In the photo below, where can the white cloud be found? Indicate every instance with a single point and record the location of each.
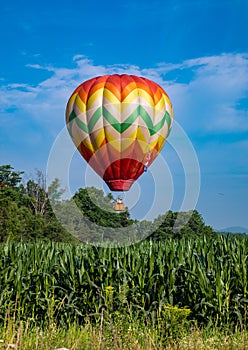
(207, 101)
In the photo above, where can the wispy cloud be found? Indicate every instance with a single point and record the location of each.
(207, 101)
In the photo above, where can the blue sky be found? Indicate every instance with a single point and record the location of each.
(197, 50)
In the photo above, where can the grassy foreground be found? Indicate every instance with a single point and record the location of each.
(112, 337)
(178, 294)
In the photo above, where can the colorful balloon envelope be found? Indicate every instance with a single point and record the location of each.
(119, 124)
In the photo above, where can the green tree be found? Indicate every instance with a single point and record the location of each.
(8, 177)
(99, 208)
(166, 223)
(25, 211)
(55, 192)
(177, 224)
(36, 191)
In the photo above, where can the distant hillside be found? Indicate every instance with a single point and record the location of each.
(234, 229)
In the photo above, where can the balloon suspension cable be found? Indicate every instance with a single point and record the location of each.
(147, 160)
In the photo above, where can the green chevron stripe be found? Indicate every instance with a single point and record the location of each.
(72, 116)
(112, 120)
(94, 119)
(139, 111)
(81, 124)
(121, 127)
(168, 119)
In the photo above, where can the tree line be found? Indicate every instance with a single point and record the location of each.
(27, 212)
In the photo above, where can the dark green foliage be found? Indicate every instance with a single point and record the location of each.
(178, 224)
(99, 208)
(28, 212)
(25, 211)
(9, 177)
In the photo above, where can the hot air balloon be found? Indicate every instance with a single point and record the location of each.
(119, 124)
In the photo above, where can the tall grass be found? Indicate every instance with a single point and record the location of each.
(119, 337)
(58, 283)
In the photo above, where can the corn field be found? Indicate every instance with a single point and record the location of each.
(75, 282)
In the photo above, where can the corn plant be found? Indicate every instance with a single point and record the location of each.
(60, 282)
